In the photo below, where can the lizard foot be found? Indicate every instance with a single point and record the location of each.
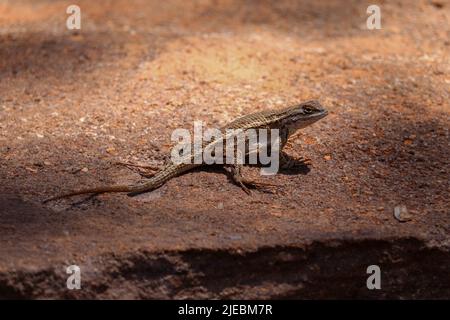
(293, 163)
(247, 184)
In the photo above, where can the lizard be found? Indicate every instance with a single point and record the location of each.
(287, 120)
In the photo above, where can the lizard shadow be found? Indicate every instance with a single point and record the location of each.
(89, 198)
(297, 166)
(84, 199)
(300, 168)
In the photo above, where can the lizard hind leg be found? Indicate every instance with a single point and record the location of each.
(146, 171)
(246, 184)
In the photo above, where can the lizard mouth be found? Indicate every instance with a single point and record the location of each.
(318, 115)
(323, 114)
(306, 121)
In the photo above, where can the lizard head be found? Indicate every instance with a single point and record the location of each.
(302, 115)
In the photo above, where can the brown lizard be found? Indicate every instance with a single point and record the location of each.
(287, 121)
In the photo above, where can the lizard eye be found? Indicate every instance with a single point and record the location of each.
(308, 109)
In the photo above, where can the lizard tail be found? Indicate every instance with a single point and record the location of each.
(117, 188)
(151, 184)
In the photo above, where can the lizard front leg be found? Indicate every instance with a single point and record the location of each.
(235, 172)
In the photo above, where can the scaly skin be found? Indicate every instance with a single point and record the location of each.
(287, 120)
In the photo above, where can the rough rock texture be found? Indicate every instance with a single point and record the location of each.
(73, 103)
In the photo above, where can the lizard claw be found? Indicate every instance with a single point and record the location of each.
(293, 163)
(245, 188)
(304, 161)
(257, 185)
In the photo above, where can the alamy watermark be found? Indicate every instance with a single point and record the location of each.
(74, 280)
(233, 146)
(73, 21)
(374, 280)
(374, 20)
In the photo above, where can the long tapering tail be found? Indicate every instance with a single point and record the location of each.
(117, 188)
(148, 185)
